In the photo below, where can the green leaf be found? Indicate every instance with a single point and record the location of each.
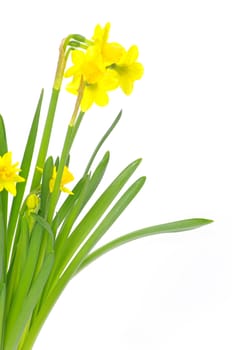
(54, 292)
(97, 176)
(45, 225)
(103, 139)
(3, 267)
(2, 312)
(27, 276)
(89, 186)
(66, 226)
(103, 227)
(72, 215)
(3, 138)
(69, 203)
(66, 251)
(18, 261)
(25, 166)
(45, 191)
(3, 150)
(15, 331)
(176, 226)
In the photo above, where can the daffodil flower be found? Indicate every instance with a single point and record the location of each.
(98, 93)
(67, 177)
(97, 79)
(88, 64)
(128, 69)
(111, 52)
(8, 174)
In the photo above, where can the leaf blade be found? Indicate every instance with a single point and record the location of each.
(25, 165)
(176, 226)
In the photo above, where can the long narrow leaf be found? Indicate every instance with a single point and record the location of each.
(18, 261)
(3, 150)
(25, 166)
(114, 213)
(66, 251)
(2, 241)
(79, 190)
(97, 176)
(67, 204)
(3, 269)
(72, 215)
(45, 191)
(3, 138)
(176, 226)
(27, 277)
(29, 303)
(86, 193)
(103, 139)
(104, 226)
(2, 312)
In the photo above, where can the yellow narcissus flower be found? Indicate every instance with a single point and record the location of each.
(8, 174)
(97, 79)
(88, 64)
(67, 177)
(97, 93)
(111, 52)
(129, 69)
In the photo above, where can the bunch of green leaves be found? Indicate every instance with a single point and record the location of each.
(41, 252)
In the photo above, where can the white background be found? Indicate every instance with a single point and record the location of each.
(165, 292)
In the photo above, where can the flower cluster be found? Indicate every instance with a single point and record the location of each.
(103, 66)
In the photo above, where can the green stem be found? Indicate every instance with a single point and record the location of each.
(45, 138)
(51, 113)
(70, 135)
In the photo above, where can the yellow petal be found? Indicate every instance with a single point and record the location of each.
(66, 190)
(18, 178)
(136, 71)
(7, 158)
(73, 86)
(101, 34)
(87, 99)
(126, 85)
(112, 53)
(77, 57)
(130, 56)
(101, 98)
(11, 187)
(110, 80)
